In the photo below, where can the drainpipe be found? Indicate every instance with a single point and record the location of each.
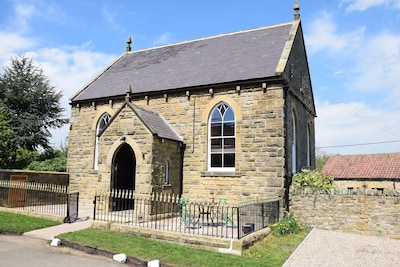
(183, 147)
(288, 174)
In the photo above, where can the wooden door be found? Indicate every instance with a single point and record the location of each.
(16, 195)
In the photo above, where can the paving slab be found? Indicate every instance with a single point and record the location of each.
(50, 232)
(84, 221)
(333, 248)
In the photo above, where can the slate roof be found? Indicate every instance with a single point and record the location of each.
(238, 56)
(156, 124)
(372, 166)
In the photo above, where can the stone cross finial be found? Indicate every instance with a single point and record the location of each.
(128, 44)
(296, 9)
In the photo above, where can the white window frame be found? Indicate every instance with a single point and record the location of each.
(101, 123)
(209, 152)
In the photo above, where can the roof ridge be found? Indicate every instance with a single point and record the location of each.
(209, 37)
(365, 155)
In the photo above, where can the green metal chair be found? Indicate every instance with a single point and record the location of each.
(227, 213)
(187, 217)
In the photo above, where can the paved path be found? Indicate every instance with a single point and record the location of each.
(51, 232)
(17, 251)
(330, 248)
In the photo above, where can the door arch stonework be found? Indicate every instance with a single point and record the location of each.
(123, 172)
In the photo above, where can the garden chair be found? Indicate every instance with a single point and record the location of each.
(187, 217)
(227, 213)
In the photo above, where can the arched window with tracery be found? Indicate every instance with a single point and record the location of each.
(222, 138)
(101, 124)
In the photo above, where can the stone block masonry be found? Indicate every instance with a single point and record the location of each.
(367, 212)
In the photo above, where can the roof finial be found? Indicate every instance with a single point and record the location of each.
(128, 44)
(128, 93)
(296, 9)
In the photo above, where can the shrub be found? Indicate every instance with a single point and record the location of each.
(287, 225)
(313, 179)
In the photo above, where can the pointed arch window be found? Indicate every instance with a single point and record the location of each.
(101, 124)
(222, 139)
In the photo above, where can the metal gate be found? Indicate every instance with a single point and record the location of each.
(72, 207)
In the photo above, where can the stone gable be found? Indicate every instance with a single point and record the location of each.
(264, 111)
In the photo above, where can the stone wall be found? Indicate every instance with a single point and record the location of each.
(223, 245)
(367, 184)
(368, 212)
(260, 138)
(59, 178)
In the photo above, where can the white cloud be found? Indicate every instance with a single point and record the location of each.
(165, 38)
(23, 13)
(324, 36)
(356, 123)
(11, 45)
(109, 15)
(378, 64)
(362, 5)
(359, 63)
(69, 69)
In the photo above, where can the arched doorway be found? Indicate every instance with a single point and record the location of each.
(123, 176)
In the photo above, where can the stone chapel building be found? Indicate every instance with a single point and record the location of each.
(225, 116)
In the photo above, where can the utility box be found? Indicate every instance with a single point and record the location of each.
(248, 228)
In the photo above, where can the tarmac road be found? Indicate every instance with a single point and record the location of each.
(23, 251)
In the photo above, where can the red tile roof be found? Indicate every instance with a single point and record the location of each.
(373, 166)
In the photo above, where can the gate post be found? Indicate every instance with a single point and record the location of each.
(72, 207)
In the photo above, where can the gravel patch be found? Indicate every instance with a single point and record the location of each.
(330, 248)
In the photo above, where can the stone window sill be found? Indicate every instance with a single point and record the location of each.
(219, 174)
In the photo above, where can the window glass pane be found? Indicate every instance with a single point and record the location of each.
(216, 116)
(216, 129)
(104, 121)
(229, 145)
(229, 129)
(229, 160)
(216, 145)
(229, 116)
(216, 160)
(222, 137)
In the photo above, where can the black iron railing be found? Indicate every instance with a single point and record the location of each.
(172, 213)
(39, 197)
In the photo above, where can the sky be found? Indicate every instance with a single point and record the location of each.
(353, 49)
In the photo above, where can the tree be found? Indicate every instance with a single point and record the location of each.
(50, 160)
(32, 103)
(321, 158)
(6, 135)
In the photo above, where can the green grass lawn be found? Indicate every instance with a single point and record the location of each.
(272, 251)
(21, 223)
